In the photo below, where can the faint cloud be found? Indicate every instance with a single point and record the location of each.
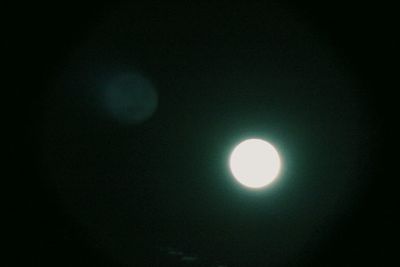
(175, 253)
(189, 258)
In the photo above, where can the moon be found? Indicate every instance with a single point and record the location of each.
(255, 163)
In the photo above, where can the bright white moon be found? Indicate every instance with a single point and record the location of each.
(255, 163)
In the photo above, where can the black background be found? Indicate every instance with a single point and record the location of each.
(42, 37)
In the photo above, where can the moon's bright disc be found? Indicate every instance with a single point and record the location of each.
(255, 163)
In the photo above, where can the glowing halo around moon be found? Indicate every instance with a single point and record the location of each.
(255, 163)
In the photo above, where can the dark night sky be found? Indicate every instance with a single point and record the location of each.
(105, 191)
